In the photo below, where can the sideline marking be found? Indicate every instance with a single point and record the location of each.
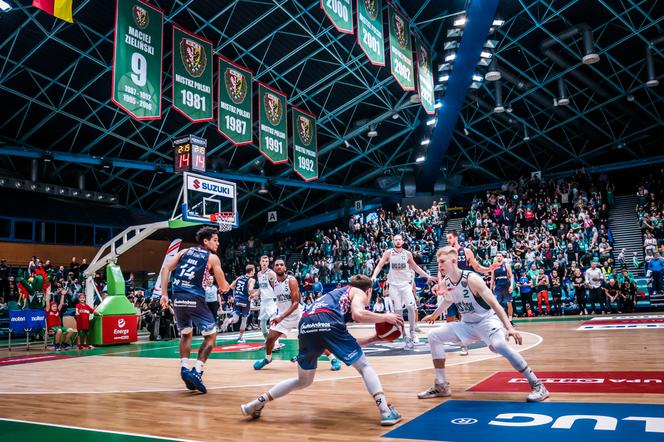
(97, 430)
(270, 384)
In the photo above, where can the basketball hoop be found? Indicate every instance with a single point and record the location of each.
(224, 220)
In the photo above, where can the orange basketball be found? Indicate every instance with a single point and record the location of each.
(387, 332)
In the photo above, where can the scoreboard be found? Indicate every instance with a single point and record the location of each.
(189, 154)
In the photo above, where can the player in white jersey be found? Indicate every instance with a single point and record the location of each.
(482, 318)
(401, 280)
(287, 294)
(266, 279)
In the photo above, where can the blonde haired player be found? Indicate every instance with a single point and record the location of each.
(400, 279)
(482, 318)
(266, 279)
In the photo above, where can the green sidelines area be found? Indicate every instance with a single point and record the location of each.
(24, 431)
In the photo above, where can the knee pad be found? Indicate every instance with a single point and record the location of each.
(305, 377)
(361, 364)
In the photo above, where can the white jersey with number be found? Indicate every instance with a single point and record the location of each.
(267, 291)
(283, 294)
(473, 308)
(399, 273)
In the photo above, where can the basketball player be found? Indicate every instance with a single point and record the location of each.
(482, 318)
(466, 260)
(322, 326)
(400, 279)
(287, 294)
(502, 284)
(192, 268)
(243, 289)
(266, 279)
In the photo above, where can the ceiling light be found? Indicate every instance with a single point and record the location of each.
(444, 67)
(493, 74)
(33, 186)
(563, 97)
(484, 62)
(475, 85)
(454, 32)
(485, 54)
(395, 116)
(18, 184)
(630, 97)
(112, 198)
(526, 137)
(88, 195)
(100, 197)
(74, 192)
(431, 122)
(414, 98)
(372, 133)
(450, 45)
(450, 57)
(263, 190)
(61, 191)
(498, 22)
(347, 144)
(491, 44)
(460, 22)
(443, 78)
(5, 6)
(438, 105)
(477, 77)
(421, 158)
(2, 181)
(465, 131)
(424, 142)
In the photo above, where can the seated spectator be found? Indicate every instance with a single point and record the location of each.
(613, 293)
(62, 335)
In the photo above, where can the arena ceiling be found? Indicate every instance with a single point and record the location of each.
(55, 83)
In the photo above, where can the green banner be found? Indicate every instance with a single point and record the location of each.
(235, 113)
(340, 13)
(137, 50)
(305, 145)
(425, 77)
(370, 30)
(273, 124)
(192, 75)
(401, 52)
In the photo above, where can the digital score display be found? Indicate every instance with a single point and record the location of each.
(189, 154)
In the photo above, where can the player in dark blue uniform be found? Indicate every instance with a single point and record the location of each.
(243, 290)
(322, 327)
(502, 284)
(191, 269)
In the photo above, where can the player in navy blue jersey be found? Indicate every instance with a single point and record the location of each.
(322, 327)
(243, 290)
(191, 270)
(502, 284)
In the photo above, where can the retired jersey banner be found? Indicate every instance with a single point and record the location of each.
(305, 140)
(272, 124)
(425, 78)
(401, 53)
(235, 112)
(370, 30)
(340, 13)
(192, 75)
(137, 53)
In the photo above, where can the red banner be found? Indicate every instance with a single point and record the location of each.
(628, 382)
(119, 329)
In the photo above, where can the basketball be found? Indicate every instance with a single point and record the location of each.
(387, 332)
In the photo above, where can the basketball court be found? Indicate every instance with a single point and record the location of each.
(138, 390)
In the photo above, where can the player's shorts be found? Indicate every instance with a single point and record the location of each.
(402, 296)
(466, 333)
(268, 310)
(61, 328)
(192, 310)
(503, 295)
(289, 323)
(241, 309)
(324, 331)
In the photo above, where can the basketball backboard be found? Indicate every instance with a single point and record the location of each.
(205, 198)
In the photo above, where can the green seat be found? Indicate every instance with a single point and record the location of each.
(12, 305)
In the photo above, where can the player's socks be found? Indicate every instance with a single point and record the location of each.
(441, 378)
(268, 357)
(199, 366)
(529, 374)
(184, 362)
(381, 402)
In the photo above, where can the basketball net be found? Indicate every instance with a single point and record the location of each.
(224, 220)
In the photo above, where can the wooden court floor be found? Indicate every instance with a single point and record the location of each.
(136, 389)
